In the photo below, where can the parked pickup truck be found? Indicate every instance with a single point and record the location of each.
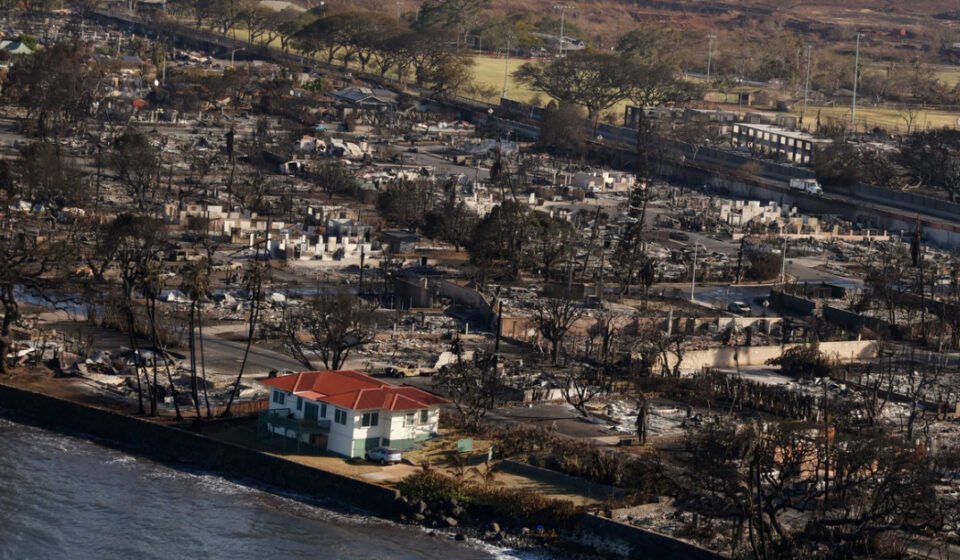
(405, 371)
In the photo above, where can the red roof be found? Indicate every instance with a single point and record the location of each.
(353, 390)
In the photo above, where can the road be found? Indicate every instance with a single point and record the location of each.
(221, 356)
(424, 156)
(559, 418)
(226, 356)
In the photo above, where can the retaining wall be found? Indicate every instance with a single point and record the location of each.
(591, 489)
(908, 200)
(729, 357)
(633, 543)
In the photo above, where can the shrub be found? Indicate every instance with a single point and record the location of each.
(524, 507)
(430, 486)
(764, 266)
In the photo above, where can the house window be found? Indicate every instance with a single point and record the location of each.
(340, 416)
(299, 403)
(424, 416)
(409, 419)
(370, 419)
(279, 397)
(323, 410)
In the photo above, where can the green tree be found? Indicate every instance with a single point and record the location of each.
(45, 176)
(56, 85)
(594, 80)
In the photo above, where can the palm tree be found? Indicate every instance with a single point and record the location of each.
(151, 284)
(195, 285)
(254, 277)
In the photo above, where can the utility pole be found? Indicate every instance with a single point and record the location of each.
(710, 39)
(398, 10)
(506, 68)
(856, 80)
(783, 260)
(739, 96)
(693, 274)
(363, 256)
(806, 86)
(563, 12)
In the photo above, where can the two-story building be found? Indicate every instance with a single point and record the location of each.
(348, 412)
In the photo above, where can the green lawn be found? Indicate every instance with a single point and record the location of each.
(489, 73)
(894, 119)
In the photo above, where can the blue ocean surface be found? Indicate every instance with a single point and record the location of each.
(67, 498)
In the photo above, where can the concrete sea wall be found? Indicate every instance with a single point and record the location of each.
(626, 541)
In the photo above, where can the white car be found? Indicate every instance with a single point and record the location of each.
(739, 307)
(384, 455)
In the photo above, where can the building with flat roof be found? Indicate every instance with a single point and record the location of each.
(777, 142)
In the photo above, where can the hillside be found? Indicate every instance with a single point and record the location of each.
(920, 26)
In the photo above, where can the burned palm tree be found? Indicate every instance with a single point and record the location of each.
(151, 284)
(195, 284)
(254, 277)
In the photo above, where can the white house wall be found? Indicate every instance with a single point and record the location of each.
(341, 439)
(400, 433)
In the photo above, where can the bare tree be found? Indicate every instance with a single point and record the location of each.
(602, 336)
(32, 253)
(333, 326)
(134, 241)
(254, 278)
(137, 164)
(580, 385)
(554, 318)
(151, 284)
(473, 386)
(195, 284)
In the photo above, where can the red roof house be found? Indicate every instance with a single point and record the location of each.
(356, 411)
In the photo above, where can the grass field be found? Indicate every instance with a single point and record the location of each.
(488, 72)
(890, 119)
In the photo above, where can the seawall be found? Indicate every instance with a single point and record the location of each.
(170, 444)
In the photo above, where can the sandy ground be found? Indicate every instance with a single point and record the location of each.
(439, 453)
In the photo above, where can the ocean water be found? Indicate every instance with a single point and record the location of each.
(67, 498)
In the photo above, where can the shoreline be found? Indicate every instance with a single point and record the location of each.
(54, 415)
(179, 448)
(207, 487)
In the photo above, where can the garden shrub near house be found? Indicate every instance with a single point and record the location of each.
(430, 486)
(512, 506)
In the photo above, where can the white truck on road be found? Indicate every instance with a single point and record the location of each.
(809, 186)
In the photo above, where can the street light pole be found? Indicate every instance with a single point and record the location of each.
(856, 80)
(506, 68)
(563, 12)
(710, 39)
(232, 53)
(806, 86)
